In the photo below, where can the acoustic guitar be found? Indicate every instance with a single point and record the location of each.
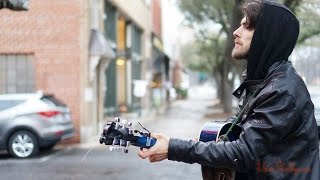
(210, 132)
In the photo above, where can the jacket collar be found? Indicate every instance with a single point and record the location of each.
(250, 83)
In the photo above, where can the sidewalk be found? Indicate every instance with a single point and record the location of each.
(185, 118)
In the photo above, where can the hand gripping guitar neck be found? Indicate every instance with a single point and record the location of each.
(120, 136)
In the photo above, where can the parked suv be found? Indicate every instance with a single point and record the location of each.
(29, 122)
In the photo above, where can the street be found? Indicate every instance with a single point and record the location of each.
(94, 161)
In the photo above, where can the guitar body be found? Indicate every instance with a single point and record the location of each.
(211, 131)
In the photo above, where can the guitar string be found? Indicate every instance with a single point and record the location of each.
(85, 156)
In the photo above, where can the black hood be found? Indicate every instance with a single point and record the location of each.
(276, 33)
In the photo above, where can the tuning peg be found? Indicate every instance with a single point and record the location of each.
(126, 150)
(130, 128)
(124, 122)
(117, 119)
(130, 131)
(119, 149)
(116, 126)
(102, 139)
(114, 142)
(128, 143)
(111, 148)
(122, 142)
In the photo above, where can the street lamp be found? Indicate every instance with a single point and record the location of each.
(15, 5)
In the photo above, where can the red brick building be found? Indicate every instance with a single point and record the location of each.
(156, 17)
(48, 36)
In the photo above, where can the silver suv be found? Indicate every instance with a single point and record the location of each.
(29, 122)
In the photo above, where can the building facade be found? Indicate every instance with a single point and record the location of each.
(41, 50)
(128, 26)
(95, 55)
(160, 82)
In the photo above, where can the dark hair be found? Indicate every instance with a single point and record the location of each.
(251, 10)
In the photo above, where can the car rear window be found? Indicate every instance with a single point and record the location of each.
(54, 100)
(5, 104)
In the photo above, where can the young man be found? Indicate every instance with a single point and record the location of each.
(279, 138)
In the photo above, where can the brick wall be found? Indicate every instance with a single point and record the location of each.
(50, 31)
(156, 17)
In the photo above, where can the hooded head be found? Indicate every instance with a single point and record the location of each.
(275, 33)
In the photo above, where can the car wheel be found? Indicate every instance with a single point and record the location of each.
(23, 144)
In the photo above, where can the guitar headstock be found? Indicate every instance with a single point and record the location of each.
(120, 136)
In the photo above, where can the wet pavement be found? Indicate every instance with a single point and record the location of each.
(185, 118)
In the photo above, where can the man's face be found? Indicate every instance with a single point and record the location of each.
(242, 41)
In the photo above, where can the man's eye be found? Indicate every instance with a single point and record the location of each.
(246, 25)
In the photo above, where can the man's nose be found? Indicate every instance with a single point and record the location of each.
(236, 33)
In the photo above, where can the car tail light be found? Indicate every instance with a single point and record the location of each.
(59, 133)
(49, 113)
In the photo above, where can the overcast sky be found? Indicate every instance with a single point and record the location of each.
(171, 19)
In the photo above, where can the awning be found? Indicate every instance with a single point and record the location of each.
(99, 45)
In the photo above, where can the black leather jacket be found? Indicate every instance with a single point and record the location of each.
(279, 138)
